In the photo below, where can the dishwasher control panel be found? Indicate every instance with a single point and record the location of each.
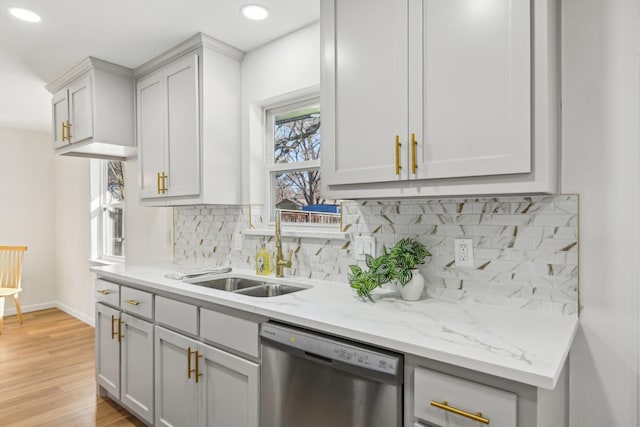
(332, 349)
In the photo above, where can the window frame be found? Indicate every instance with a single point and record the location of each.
(103, 206)
(271, 169)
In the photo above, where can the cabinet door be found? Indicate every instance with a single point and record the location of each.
(365, 91)
(176, 400)
(183, 135)
(470, 87)
(108, 349)
(228, 389)
(81, 108)
(60, 107)
(137, 366)
(150, 112)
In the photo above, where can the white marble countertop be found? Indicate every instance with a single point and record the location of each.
(524, 346)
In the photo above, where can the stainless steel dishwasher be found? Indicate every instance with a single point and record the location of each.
(314, 380)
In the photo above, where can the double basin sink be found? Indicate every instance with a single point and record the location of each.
(250, 287)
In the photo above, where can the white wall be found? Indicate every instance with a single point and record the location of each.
(285, 66)
(600, 161)
(26, 217)
(72, 240)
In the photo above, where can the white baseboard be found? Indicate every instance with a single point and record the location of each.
(89, 320)
(10, 310)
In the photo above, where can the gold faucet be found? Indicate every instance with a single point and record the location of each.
(281, 263)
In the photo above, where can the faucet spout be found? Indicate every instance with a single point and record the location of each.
(281, 263)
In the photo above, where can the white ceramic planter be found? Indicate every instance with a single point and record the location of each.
(412, 291)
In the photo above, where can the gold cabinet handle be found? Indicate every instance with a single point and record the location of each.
(62, 132)
(198, 373)
(66, 125)
(414, 165)
(398, 167)
(476, 417)
(158, 186)
(164, 182)
(103, 291)
(120, 336)
(113, 328)
(132, 302)
(189, 370)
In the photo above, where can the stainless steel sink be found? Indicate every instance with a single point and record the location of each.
(249, 287)
(230, 284)
(269, 290)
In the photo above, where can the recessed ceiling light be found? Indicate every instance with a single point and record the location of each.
(25, 15)
(254, 12)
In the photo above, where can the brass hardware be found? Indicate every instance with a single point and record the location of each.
(162, 182)
(189, 370)
(120, 336)
(341, 216)
(62, 132)
(113, 328)
(103, 291)
(414, 166)
(198, 374)
(66, 125)
(398, 167)
(281, 263)
(132, 302)
(476, 417)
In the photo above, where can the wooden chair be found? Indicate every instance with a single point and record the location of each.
(10, 277)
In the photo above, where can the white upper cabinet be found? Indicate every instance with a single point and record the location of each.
(168, 131)
(436, 97)
(188, 125)
(92, 108)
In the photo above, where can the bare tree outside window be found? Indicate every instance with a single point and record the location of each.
(296, 165)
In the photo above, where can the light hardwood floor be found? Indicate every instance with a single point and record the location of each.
(47, 375)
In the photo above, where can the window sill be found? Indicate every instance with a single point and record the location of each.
(313, 234)
(98, 262)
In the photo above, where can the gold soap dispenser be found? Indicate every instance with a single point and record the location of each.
(263, 261)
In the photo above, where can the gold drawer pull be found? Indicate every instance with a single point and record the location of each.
(132, 302)
(476, 417)
(103, 291)
(398, 167)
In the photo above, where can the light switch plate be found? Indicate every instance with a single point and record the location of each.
(463, 251)
(364, 245)
(237, 241)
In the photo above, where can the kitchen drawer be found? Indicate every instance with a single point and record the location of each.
(498, 406)
(177, 315)
(107, 292)
(230, 331)
(136, 302)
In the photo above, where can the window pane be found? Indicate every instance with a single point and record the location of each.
(297, 135)
(115, 182)
(297, 194)
(113, 231)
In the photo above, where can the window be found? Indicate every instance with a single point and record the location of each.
(293, 135)
(113, 209)
(107, 210)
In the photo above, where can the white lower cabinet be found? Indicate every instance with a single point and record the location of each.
(199, 385)
(124, 352)
(448, 401)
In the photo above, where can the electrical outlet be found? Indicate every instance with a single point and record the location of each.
(364, 246)
(237, 242)
(463, 250)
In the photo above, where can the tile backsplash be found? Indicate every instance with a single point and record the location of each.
(525, 247)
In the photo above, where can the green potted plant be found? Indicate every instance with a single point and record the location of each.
(397, 264)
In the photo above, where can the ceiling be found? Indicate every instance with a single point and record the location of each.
(126, 32)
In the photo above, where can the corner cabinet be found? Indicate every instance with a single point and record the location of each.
(188, 125)
(124, 349)
(435, 98)
(92, 108)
